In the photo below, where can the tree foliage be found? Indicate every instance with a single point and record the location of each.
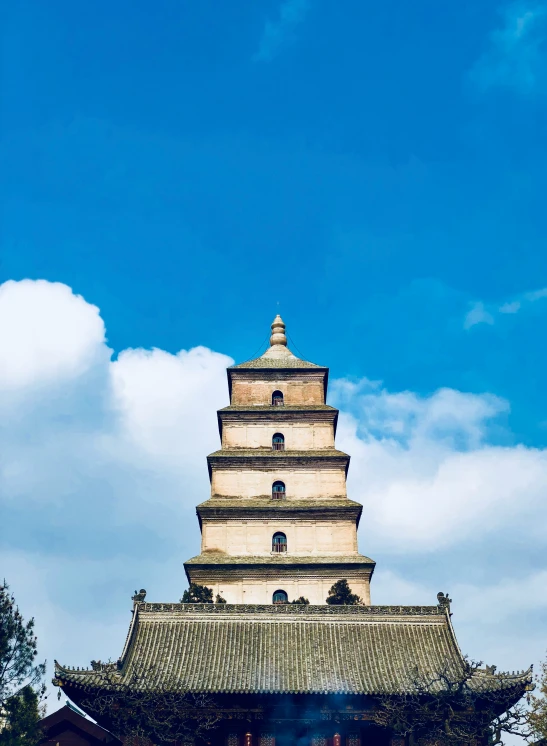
(340, 595)
(148, 708)
(219, 599)
(197, 594)
(22, 715)
(446, 709)
(301, 601)
(537, 717)
(21, 678)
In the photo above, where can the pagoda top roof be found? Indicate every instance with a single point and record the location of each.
(278, 354)
(225, 648)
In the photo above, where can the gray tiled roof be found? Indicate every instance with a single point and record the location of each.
(268, 453)
(288, 649)
(217, 558)
(287, 505)
(293, 363)
(278, 410)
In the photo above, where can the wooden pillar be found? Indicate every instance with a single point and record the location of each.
(248, 739)
(337, 740)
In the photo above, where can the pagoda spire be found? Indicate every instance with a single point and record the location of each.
(278, 336)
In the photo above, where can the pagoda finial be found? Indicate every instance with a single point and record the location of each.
(278, 332)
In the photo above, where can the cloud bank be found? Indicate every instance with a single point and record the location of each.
(103, 463)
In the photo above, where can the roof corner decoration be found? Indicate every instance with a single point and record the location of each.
(444, 602)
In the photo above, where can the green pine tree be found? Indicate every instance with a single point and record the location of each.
(22, 714)
(340, 595)
(21, 678)
(197, 594)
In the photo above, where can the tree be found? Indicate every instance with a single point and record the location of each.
(340, 595)
(446, 709)
(219, 599)
(21, 678)
(537, 717)
(197, 594)
(22, 715)
(302, 601)
(147, 707)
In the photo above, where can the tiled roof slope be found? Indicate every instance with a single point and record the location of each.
(288, 504)
(267, 409)
(288, 649)
(291, 362)
(216, 558)
(266, 452)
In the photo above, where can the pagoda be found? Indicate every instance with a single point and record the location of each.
(279, 524)
(278, 530)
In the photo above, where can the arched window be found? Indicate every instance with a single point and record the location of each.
(280, 597)
(278, 489)
(279, 542)
(278, 442)
(277, 399)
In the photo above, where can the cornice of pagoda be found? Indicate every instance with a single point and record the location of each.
(260, 508)
(217, 566)
(265, 459)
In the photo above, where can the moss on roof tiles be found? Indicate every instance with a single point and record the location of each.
(286, 504)
(292, 363)
(279, 410)
(269, 453)
(289, 649)
(219, 558)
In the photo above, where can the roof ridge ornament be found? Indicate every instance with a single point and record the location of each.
(139, 596)
(444, 602)
(278, 336)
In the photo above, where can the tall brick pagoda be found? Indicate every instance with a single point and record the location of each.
(279, 521)
(278, 526)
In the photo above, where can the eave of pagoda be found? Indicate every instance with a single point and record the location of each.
(261, 508)
(264, 459)
(211, 567)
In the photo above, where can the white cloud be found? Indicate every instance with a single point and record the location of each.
(279, 33)
(535, 295)
(481, 313)
(477, 315)
(515, 55)
(426, 473)
(511, 307)
(47, 333)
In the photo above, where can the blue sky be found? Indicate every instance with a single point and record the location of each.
(374, 171)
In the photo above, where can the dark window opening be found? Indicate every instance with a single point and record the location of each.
(280, 597)
(277, 399)
(279, 542)
(278, 489)
(278, 442)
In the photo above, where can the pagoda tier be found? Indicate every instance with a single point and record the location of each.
(279, 524)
